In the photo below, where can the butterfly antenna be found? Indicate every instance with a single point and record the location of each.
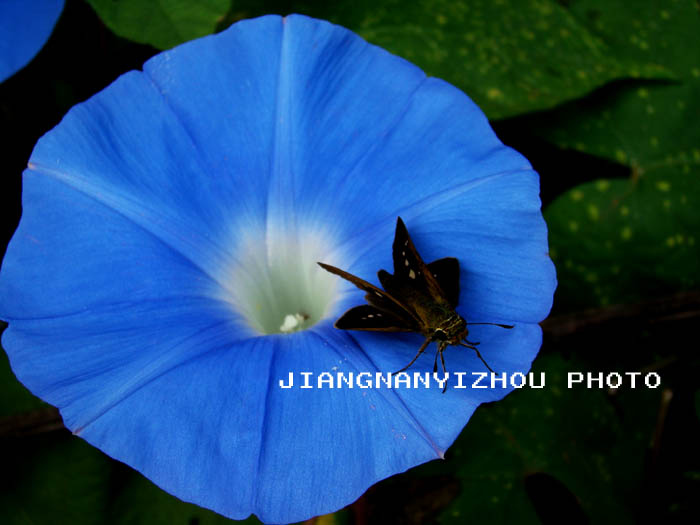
(478, 354)
(508, 326)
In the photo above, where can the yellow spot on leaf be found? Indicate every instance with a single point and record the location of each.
(576, 195)
(670, 242)
(663, 185)
(573, 226)
(624, 211)
(643, 93)
(327, 519)
(620, 155)
(593, 212)
(667, 204)
(602, 185)
(654, 141)
(494, 93)
(626, 233)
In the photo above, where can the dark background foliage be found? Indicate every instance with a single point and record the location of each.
(603, 97)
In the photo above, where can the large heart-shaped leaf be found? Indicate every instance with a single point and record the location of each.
(614, 240)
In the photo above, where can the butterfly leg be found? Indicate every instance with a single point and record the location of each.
(441, 348)
(420, 351)
(478, 354)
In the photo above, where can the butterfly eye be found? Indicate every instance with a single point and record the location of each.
(440, 334)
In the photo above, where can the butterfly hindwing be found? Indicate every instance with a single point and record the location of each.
(368, 317)
(446, 273)
(409, 266)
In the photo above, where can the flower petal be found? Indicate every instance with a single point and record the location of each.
(497, 231)
(97, 306)
(24, 29)
(196, 430)
(386, 138)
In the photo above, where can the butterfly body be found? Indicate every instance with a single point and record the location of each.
(436, 317)
(418, 297)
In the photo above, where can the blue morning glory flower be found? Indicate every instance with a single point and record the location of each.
(25, 26)
(163, 278)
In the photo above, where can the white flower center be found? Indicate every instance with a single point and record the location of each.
(276, 285)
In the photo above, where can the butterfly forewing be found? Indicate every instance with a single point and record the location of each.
(409, 266)
(378, 298)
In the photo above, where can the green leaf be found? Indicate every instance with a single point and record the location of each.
(642, 125)
(574, 436)
(53, 478)
(160, 23)
(616, 241)
(510, 56)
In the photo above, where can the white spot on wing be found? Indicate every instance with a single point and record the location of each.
(405, 262)
(412, 274)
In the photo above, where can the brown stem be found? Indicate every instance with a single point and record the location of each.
(31, 423)
(676, 307)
